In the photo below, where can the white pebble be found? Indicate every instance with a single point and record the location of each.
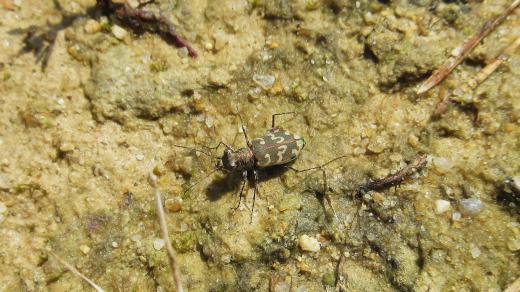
(309, 243)
(114, 244)
(475, 251)
(442, 206)
(183, 52)
(158, 244)
(456, 216)
(471, 207)
(119, 32)
(136, 238)
(139, 157)
(265, 81)
(3, 208)
(209, 122)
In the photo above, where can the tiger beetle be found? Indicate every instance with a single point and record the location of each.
(275, 148)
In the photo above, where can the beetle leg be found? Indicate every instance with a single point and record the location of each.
(255, 190)
(218, 145)
(325, 193)
(244, 180)
(315, 167)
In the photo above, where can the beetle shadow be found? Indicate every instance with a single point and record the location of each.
(233, 181)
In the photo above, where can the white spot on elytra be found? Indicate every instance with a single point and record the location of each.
(282, 149)
(268, 157)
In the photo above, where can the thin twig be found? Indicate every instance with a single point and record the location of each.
(152, 180)
(466, 48)
(491, 67)
(73, 270)
(396, 179)
(480, 77)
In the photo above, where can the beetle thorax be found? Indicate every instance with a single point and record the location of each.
(239, 160)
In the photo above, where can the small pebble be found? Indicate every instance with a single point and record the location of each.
(471, 207)
(139, 157)
(513, 244)
(174, 204)
(208, 46)
(183, 52)
(3, 208)
(475, 251)
(136, 238)
(219, 77)
(66, 147)
(92, 26)
(119, 32)
(133, 3)
(456, 216)
(114, 244)
(158, 243)
(84, 249)
(221, 40)
(265, 81)
(442, 206)
(309, 243)
(209, 122)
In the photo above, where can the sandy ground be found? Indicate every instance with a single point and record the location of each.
(79, 137)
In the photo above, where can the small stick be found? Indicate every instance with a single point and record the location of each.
(466, 48)
(152, 180)
(491, 67)
(73, 270)
(396, 179)
(480, 77)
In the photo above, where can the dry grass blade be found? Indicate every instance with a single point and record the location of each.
(76, 272)
(465, 49)
(152, 179)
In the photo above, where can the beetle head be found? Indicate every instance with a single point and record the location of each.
(228, 161)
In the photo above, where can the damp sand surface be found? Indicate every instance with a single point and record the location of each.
(79, 138)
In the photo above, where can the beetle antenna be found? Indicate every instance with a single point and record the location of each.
(244, 130)
(197, 150)
(199, 181)
(316, 167)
